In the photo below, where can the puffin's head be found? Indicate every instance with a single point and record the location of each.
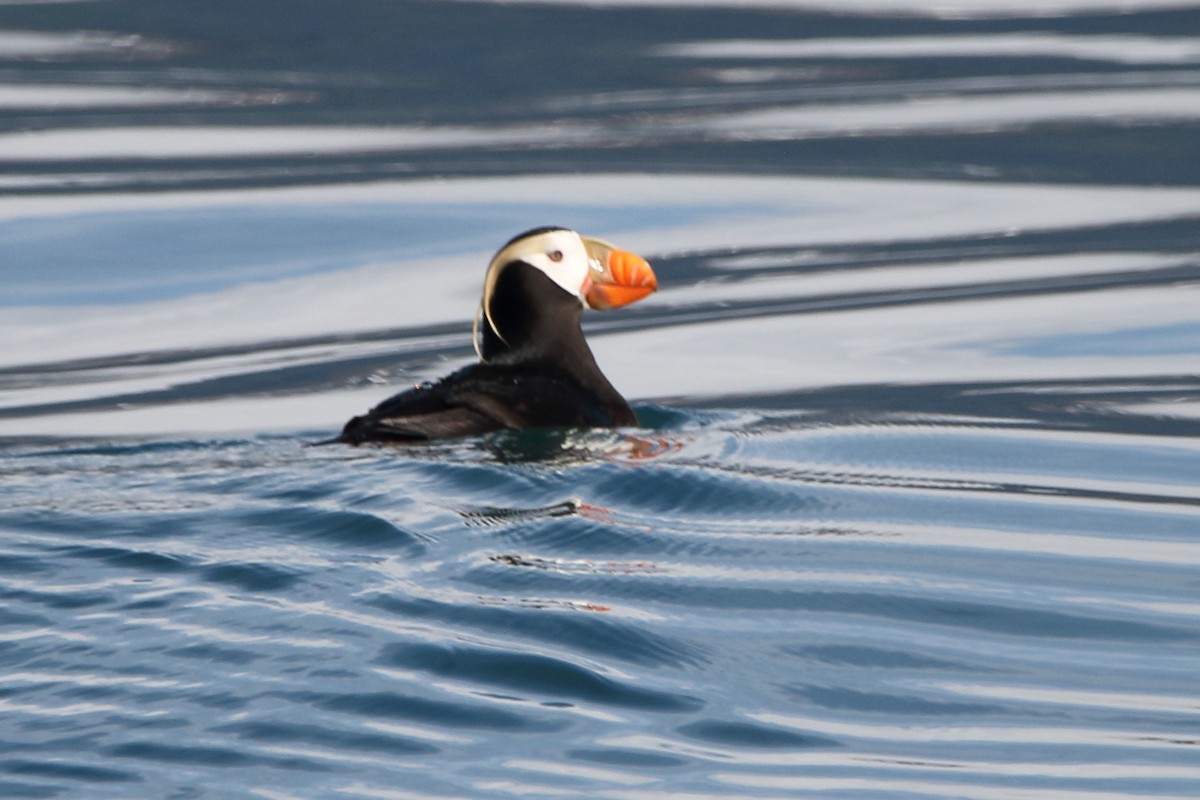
(592, 271)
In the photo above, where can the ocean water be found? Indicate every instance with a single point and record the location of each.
(914, 508)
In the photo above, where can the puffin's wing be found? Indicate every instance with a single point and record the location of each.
(477, 399)
(452, 422)
(494, 406)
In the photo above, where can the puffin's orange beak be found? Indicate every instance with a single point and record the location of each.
(618, 277)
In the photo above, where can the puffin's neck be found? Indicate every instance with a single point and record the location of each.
(538, 322)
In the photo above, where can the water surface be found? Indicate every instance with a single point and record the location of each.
(913, 509)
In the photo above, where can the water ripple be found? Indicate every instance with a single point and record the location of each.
(531, 673)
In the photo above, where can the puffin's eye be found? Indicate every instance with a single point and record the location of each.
(556, 255)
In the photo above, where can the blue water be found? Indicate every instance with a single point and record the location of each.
(914, 509)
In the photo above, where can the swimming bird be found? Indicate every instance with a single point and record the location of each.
(535, 368)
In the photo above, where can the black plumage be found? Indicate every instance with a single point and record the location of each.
(536, 370)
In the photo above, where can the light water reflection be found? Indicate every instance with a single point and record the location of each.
(1126, 49)
(782, 305)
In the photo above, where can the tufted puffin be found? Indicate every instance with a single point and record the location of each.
(535, 369)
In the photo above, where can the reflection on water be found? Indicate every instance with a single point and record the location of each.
(876, 272)
(913, 508)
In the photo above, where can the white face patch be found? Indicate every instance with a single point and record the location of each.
(559, 254)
